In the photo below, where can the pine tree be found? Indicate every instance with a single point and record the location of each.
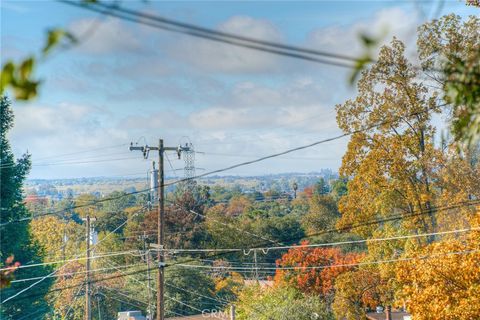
(15, 238)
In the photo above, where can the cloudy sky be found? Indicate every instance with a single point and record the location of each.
(127, 82)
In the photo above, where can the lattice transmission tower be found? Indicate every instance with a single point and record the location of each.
(188, 153)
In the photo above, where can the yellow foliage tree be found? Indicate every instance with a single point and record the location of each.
(444, 281)
(392, 161)
(52, 234)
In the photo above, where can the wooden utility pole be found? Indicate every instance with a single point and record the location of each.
(160, 219)
(232, 312)
(88, 293)
(149, 286)
(161, 235)
(88, 311)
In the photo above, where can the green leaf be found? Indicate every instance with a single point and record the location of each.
(26, 68)
(7, 75)
(26, 90)
(55, 36)
(360, 64)
(368, 41)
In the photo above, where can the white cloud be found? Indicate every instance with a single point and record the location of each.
(385, 24)
(104, 36)
(212, 56)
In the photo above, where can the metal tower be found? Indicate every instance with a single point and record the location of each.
(188, 153)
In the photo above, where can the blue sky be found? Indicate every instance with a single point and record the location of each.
(126, 82)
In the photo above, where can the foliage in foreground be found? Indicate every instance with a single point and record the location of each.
(280, 303)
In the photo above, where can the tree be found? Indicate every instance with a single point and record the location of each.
(191, 285)
(280, 303)
(321, 187)
(443, 280)
(356, 291)
(15, 238)
(322, 214)
(450, 53)
(339, 188)
(228, 286)
(58, 239)
(318, 280)
(392, 161)
(113, 213)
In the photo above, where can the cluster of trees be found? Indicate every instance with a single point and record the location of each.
(397, 182)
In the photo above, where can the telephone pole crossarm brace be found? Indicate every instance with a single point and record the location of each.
(161, 217)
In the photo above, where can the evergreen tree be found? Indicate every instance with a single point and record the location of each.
(15, 238)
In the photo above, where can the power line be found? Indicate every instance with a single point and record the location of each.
(84, 151)
(433, 256)
(81, 284)
(89, 204)
(236, 228)
(302, 147)
(244, 163)
(231, 39)
(113, 254)
(327, 244)
(72, 273)
(371, 222)
(70, 163)
(55, 271)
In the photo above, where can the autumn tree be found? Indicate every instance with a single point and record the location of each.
(392, 160)
(58, 238)
(442, 280)
(449, 50)
(313, 270)
(356, 291)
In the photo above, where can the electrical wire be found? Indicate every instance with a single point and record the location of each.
(327, 244)
(67, 274)
(310, 145)
(55, 271)
(382, 123)
(196, 293)
(81, 284)
(433, 256)
(183, 303)
(84, 151)
(235, 228)
(270, 47)
(347, 228)
(113, 254)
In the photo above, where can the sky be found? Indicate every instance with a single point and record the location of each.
(126, 82)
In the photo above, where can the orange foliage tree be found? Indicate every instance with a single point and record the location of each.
(314, 270)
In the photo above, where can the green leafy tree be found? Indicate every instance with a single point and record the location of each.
(113, 213)
(15, 238)
(280, 303)
(322, 214)
(190, 285)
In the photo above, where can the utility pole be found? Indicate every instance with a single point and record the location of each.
(88, 310)
(255, 260)
(149, 288)
(160, 219)
(232, 312)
